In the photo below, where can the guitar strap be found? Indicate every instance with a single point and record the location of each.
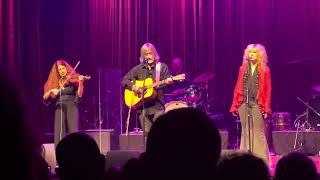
(158, 70)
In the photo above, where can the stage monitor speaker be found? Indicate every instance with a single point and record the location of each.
(104, 144)
(133, 141)
(48, 153)
(307, 142)
(119, 158)
(224, 139)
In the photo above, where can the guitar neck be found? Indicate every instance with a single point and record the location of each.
(174, 78)
(159, 83)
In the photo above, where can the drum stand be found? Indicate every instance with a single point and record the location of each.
(307, 110)
(302, 121)
(205, 102)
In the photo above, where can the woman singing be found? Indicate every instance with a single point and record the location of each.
(251, 100)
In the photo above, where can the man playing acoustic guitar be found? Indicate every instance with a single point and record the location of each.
(143, 86)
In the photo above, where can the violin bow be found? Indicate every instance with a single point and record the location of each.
(75, 67)
(73, 70)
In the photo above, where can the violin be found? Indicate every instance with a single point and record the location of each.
(77, 77)
(73, 79)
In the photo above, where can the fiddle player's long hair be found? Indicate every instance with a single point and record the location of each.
(262, 54)
(54, 76)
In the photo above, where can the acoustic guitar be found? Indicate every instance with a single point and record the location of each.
(135, 100)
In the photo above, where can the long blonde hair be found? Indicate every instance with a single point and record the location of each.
(262, 54)
(146, 47)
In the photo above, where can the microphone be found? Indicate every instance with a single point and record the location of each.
(145, 60)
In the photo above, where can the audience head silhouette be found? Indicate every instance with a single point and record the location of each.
(295, 165)
(182, 143)
(242, 166)
(20, 147)
(78, 157)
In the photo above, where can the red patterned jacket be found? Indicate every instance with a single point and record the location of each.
(264, 89)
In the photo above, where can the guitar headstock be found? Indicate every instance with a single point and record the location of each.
(179, 77)
(87, 77)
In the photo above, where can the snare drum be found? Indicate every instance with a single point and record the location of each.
(193, 93)
(175, 105)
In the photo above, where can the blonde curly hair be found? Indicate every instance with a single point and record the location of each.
(262, 54)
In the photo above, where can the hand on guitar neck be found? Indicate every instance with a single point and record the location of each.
(169, 80)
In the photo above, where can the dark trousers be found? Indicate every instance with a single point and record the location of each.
(146, 120)
(66, 120)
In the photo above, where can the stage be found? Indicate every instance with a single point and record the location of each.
(283, 144)
(50, 158)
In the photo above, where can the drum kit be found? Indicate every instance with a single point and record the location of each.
(194, 95)
(308, 120)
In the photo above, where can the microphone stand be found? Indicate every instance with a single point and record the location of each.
(143, 105)
(61, 116)
(143, 110)
(60, 94)
(247, 113)
(144, 117)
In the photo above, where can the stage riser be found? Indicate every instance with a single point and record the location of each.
(284, 142)
(134, 141)
(104, 135)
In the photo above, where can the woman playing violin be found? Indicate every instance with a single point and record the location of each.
(65, 87)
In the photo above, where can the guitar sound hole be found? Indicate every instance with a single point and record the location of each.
(140, 94)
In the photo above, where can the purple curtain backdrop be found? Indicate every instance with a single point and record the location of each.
(209, 35)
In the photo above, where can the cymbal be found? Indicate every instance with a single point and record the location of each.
(167, 94)
(305, 60)
(178, 91)
(202, 78)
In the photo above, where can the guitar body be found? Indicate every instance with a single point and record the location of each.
(134, 100)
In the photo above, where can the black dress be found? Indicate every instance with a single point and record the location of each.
(66, 112)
